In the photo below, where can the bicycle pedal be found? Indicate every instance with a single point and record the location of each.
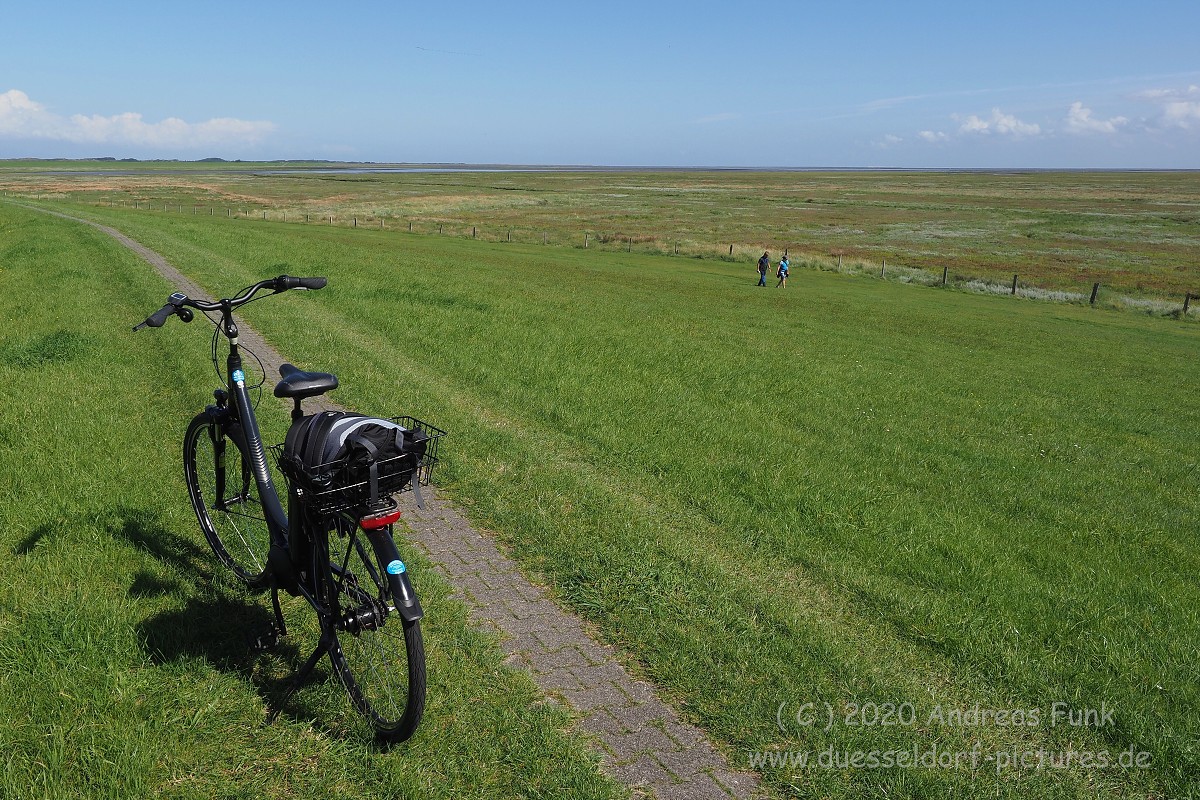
(267, 639)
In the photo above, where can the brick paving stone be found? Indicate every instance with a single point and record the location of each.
(687, 762)
(599, 695)
(612, 672)
(519, 643)
(600, 721)
(738, 784)
(676, 760)
(702, 787)
(646, 772)
(684, 735)
(638, 715)
(632, 745)
(564, 658)
(554, 639)
(560, 680)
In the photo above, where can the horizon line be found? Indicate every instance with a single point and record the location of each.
(401, 166)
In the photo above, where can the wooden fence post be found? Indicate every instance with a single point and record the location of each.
(1095, 289)
(629, 246)
(585, 238)
(410, 226)
(1014, 287)
(439, 227)
(730, 249)
(883, 269)
(543, 237)
(1187, 297)
(472, 231)
(944, 275)
(839, 262)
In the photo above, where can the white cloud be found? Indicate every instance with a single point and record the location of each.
(1167, 95)
(1178, 108)
(14, 102)
(1182, 113)
(1080, 120)
(999, 123)
(933, 136)
(888, 140)
(22, 117)
(973, 124)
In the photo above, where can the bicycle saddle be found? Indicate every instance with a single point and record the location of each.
(298, 384)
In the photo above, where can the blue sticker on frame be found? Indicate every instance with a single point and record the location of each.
(396, 567)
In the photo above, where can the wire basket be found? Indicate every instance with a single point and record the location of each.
(341, 485)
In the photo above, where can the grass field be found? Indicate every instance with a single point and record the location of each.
(844, 492)
(1136, 233)
(123, 667)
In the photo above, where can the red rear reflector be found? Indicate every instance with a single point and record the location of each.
(379, 521)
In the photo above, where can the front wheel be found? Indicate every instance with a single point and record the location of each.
(378, 655)
(225, 497)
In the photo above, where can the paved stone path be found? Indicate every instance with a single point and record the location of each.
(642, 741)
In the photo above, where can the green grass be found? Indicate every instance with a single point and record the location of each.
(123, 667)
(841, 492)
(1134, 232)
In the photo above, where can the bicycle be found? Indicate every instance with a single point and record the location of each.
(334, 546)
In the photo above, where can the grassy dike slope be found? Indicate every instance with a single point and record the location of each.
(123, 670)
(840, 492)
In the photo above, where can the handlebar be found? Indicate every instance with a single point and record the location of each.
(285, 282)
(180, 304)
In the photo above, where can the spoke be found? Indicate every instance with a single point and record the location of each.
(242, 538)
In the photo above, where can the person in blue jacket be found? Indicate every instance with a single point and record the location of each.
(783, 272)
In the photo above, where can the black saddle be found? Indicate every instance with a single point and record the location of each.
(299, 384)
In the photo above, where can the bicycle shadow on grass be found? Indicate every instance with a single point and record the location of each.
(219, 621)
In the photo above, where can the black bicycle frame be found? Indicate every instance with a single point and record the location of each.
(243, 412)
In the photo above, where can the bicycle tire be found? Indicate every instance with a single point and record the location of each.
(379, 658)
(235, 525)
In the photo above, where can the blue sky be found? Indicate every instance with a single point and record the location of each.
(796, 84)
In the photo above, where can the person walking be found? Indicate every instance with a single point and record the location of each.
(764, 264)
(783, 272)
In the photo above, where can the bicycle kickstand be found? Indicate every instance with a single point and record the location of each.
(301, 676)
(278, 629)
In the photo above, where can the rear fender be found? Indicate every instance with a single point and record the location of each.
(396, 574)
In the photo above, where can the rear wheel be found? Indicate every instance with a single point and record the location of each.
(378, 656)
(225, 497)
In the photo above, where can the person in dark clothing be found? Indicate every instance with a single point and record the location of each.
(764, 264)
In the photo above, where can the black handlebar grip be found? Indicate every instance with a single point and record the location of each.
(158, 318)
(285, 282)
